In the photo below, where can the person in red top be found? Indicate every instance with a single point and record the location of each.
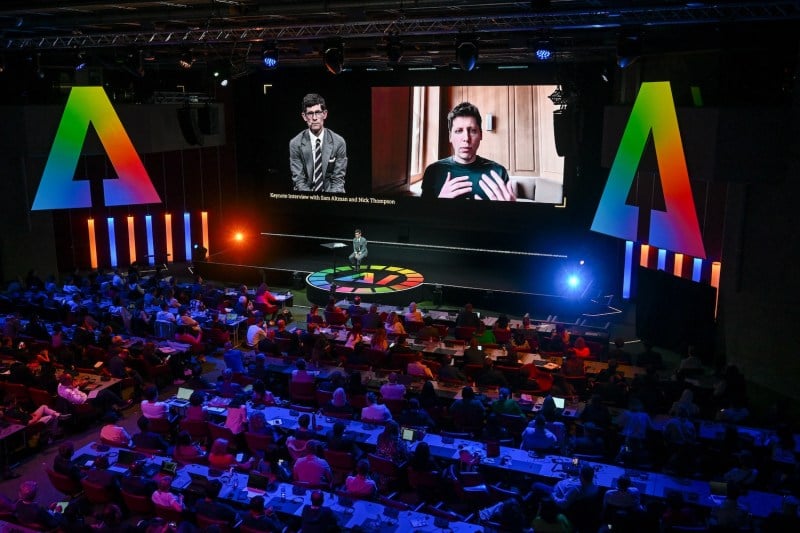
(580, 348)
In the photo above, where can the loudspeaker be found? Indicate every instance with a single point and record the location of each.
(565, 130)
(187, 119)
(208, 120)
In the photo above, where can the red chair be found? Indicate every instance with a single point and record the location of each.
(221, 432)
(18, 392)
(41, 397)
(323, 397)
(342, 464)
(260, 445)
(96, 494)
(395, 406)
(205, 522)
(502, 336)
(375, 358)
(64, 484)
(168, 514)
(198, 429)
(139, 505)
(425, 483)
(335, 319)
(389, 472)
(304, 392)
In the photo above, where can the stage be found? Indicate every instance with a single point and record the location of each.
(397, 274)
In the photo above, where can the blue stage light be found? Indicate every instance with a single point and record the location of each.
(573, 281)
(543, 54)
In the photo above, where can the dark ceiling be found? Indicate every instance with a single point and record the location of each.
(235, 31)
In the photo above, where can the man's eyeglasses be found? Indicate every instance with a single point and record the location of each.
(313, 113)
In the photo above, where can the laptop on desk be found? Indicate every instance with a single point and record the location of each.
(127, 458)
(256, 484)
(182, 397)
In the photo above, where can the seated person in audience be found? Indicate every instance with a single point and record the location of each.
(450, 372)
(151, 407)
(185, 319)
(300, 374)
(505, 404)
(354, 337)
(220, 457)
(624, 496)
(690, 362)
(687, 402)
(355, 311)
(360, 485)
(197, 381)
(468, 408)
(261, 396)
(428, 331)
(269, 345)
(217, 333)
(262, 519)
(400, 346)
(490, 376)
(678, 513)
(419, 369)
(472, 355)
(234, 358)
(236, 420)
(354, 385)
(311, 468)
(416, 416)
(256, 332)
(413, 314)
(538, 438)
(338, 442)
(105, 400)
(428, 399)
(649, 357)
(43, 414)
(596, 413)
(165, 315)
(372, 320)
(421, 459)
(375, 412)
(196, 409)
(147, 439)
(211, 507)
(135, 483)
(572, 491)
(379, 340)
(316, 517)
(313, 316)
(394, 325)
(115, 435)
(334, 380)
(549, 519)
(185, 335)
(507, 514)
(493, 430)
(390, 445)
(258, 368)
(484, 335)
(633, 425)
(619, 353)
(745, 474)
(28, 512)
(185, 450)
(580, 348)
(467, 317)
(163, 497)
(520, 344)
(392, 390)
(303, 432)
(257, 424)
(226, 386)
(63, 464)
(338, 403)
(502, 323)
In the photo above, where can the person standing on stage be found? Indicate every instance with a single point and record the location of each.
(359, 250)
(317, 156)
(465, 174)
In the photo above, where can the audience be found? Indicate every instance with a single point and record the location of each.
(360, 485)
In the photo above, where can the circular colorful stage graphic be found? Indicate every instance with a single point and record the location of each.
(370, 280)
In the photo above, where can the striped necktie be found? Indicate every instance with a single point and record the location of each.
(317, 166)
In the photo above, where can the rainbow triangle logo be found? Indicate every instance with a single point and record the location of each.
(675, 229)
(58, 190)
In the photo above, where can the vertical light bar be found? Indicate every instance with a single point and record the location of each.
(92, 244)
(112, 242)
(168, 231)
(151, 250)
(204, 218)
(677, 269)
(626, 274)
(716, 269)
(662, 259)
(131, 240)
(644, 252)
(187, 235)
(697, 269)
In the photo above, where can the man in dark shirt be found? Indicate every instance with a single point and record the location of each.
(62, 463)
(473, 355)
(450, 372)
(468, 409)
(148, 439)
(491, 377)
(135, 483)
(415, 416)
(467, 318)
(211, 508)
(316, 518)
(355, 311)
(257, 518)
(29, 512)
(371, 320)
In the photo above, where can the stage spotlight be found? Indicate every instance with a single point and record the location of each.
(333, 56)
(80, 61)
(394, 50)
(269, 56)
(467, 53)
(543, 50)
(629, 48)
(573, 281)
(186, 60)
(238, 236)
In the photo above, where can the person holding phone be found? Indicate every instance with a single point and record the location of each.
(317, 155)
(465, 174)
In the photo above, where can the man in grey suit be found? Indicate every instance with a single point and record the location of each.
(359, 250)
(317, 156)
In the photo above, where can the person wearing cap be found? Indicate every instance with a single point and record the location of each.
(393, 390)
(316, 517)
